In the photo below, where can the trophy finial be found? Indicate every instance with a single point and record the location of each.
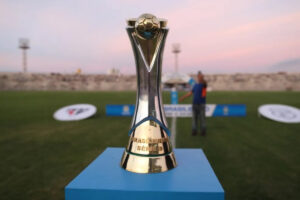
(147, 26)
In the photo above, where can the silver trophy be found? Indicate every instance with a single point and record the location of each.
(149, 149)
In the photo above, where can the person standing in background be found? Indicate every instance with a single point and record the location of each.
(199, 100)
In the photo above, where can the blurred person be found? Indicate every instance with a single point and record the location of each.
(199, 100)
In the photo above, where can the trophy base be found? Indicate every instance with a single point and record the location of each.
(148, 164)
(104, 179)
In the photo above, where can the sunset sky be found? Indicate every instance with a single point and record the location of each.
(216, 36)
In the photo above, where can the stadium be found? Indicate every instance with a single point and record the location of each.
(251, 156)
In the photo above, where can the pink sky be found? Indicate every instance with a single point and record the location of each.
(215, 36)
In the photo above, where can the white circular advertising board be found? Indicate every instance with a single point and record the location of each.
(280, 113)
(75, 112)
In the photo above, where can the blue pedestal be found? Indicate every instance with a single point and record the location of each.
(193, 178)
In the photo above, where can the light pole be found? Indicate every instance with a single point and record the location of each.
(176, 50)
(24, 45)
(174, 94)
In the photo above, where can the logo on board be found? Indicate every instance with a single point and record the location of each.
(126, 110)
(225, 110)
(76, 111)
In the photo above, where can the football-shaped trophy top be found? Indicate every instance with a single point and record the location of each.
(147, 26)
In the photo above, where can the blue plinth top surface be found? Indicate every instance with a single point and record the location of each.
(193, 178)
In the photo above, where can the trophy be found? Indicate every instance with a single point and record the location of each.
(149, 149)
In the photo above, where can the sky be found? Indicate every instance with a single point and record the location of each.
(216, 36)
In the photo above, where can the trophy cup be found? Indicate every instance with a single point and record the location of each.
(149, 149)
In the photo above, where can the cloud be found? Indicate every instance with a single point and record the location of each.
(290, 65)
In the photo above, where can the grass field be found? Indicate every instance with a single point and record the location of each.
(254, 158)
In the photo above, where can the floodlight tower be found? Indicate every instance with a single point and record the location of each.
(24, 45)
(176, 50)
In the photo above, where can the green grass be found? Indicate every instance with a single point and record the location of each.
(254, 158)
